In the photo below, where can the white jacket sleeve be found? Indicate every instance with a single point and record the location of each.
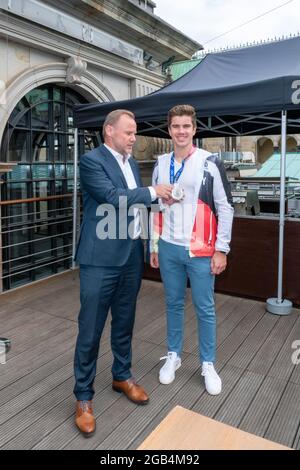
(224, 207)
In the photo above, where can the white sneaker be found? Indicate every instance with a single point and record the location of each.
(213, 383)
(167, 372)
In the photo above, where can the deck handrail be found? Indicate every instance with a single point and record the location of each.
(35, 199)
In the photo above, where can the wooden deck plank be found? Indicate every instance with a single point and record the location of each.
(232, 304)
(56, 304)
(26, 340)
(57, 405)
(237, 337)
(268, 353)
(260, 382)
(23, 364)
(190, 395)
(109, 406)
(14, 318)
(22, 384)
(261, 410)
(156, 330)
(209, 405)
(230, 321)
(253, 342)
(186, 396)
(296, 444)
(224, 308)
(126, 431)
(286, 419)
(234, 318)
(234, 407)
(121, 410)
(283, 367)
(26, 293)
(30, 395)
(245, 388)
(183, 429)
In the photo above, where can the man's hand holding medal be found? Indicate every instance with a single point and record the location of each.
(177, 195)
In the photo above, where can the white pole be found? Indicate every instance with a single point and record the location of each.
(75, 197)
(282, 205)
(280, 306)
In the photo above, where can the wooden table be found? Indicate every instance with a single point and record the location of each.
(186, 430)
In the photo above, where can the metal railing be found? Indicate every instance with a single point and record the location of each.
(35, 199)
(36, 244)
(266, 189)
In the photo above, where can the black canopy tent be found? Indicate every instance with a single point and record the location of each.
(238, 92)
(235, 93)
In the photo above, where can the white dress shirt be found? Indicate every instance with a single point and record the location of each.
(131, 183)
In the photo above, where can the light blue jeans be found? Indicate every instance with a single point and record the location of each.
(176, 266)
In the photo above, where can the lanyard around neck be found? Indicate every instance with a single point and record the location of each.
(175, 177)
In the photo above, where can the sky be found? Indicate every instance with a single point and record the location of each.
(204, 20)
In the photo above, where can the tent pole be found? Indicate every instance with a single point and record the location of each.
(75, 197)
(281, 306)
(282, 205)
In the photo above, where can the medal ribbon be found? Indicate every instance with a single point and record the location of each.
(174, 178)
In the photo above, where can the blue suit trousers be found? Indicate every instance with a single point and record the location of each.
(103, 288)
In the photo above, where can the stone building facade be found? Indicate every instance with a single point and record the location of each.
(55, 54)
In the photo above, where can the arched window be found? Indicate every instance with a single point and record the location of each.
(265, 148)
(37, 226)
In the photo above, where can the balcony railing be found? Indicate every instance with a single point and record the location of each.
(36, 238)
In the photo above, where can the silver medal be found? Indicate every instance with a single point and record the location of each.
(177, 192)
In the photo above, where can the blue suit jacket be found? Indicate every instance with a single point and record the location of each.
(102, 182)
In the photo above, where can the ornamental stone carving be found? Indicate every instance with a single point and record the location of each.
(76, 68)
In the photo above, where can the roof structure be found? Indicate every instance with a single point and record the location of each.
(271, 168)
(178, 69)
(239, 92)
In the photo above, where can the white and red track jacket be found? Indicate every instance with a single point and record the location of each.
(208, 205)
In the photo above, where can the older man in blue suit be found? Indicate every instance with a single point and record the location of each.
(111, 262)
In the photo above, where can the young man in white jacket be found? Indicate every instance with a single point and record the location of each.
(190, 238)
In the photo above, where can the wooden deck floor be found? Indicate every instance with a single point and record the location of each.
(261, 386)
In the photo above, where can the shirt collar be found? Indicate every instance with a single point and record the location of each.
(123, 158)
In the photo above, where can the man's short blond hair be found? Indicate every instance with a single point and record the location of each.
(113, 117)
(182, 110)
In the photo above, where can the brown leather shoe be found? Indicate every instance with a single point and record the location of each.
(85, 419)
(132, 390)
